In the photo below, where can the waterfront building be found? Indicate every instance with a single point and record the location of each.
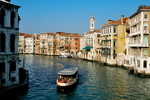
(10, 74)
(26, 43)
(58, 43)
(21, 41)
(82, 45)
(96, 46)
(29, 44)
(88, 41)
(112, 44)
(62, 43)
(47, 43)
(67, 43)
(37, 44)
(138, 52)
(75, 44)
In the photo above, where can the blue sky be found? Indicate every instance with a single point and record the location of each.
(72, 16)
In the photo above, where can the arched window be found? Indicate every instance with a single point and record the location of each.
(2, 17)
(12, 19)
(2, 42)
(12, 43)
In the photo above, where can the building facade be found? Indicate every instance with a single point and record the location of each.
(113, 39)
(21, 41)
(9, 57)
(37, 44)
(96, 46)
(138, 55)
(29, 45)
(47, 41)
(59, 43)
(87, 41)
(26, 43)
(90, 43)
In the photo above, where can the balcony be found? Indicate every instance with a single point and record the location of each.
(134, 33)
(135, 23)
(97, 46)
(43, 47)
(105, 46)
(145, 19)
(146, 32)
(138, 45)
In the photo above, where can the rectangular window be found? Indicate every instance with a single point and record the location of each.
(12, 65)
(114, 30)
(114, 56)
(114, 42)
(138, 63)
(145, 40)
(13, 79)
(145, 64)
(145, 53)
(2, 67)
(114, 52)
(145, 16)
(145, 26)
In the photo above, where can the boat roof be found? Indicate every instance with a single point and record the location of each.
(68, 70)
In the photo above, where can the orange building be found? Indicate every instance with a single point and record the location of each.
(67, 43)
(37, 44)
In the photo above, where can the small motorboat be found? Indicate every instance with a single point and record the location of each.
(67, 76)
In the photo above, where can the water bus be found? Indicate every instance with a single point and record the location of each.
(67, 76)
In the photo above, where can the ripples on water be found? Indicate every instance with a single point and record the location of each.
(95, 82)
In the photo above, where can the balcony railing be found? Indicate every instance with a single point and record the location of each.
(134, 23)
(138, 33)
(146, 32)
(43, 47)
(139, 45)
(134, 33)
(105, 46)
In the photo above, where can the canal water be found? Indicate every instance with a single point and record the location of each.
(95, 82)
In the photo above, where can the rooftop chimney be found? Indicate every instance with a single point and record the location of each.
(110, 21)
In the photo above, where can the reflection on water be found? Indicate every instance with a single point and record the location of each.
(68, 93)
(95, 82)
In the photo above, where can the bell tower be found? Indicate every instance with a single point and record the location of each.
(92, 24)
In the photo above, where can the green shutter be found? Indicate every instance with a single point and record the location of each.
(145, 53)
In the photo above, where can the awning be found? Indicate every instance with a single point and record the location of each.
(87, 48)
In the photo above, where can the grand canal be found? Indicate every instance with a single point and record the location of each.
(95, 82)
